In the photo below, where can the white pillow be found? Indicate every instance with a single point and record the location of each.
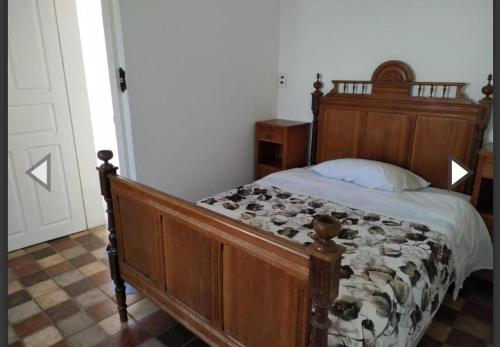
(371, 174)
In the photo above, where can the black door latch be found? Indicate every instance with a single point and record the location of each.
(123, 80)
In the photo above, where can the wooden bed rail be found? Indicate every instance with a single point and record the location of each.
(229, 283)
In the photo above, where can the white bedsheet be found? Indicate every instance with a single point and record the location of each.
(446, 212)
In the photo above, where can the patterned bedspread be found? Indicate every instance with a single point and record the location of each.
(394, 273)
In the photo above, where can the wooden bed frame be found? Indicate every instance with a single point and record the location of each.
(235, 285)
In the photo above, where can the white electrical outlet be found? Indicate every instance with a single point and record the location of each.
(282, 80)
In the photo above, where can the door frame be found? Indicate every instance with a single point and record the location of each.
(71, 52)
(121, 109)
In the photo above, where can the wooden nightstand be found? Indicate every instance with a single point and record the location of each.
(279, 145)
(482, 193)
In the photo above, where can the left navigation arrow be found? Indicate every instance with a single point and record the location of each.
(40, 172)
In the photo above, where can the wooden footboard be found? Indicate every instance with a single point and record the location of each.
(229, 283)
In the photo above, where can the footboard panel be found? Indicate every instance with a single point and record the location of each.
(193, 263)
(140, 228)
(255, 319)
(229, 283)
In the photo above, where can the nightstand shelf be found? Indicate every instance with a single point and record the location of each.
(279, 145)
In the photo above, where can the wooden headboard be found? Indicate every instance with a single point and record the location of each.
(392, 118)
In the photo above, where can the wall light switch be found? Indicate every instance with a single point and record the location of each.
(282, 80)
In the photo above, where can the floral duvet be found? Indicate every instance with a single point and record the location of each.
(394, 273)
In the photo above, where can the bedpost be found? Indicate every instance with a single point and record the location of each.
(485, 106)
(105, 170)
(316, 96)
(324, 276)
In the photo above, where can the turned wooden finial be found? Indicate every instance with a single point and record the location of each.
(326, 228)
(105, 170)
(488, 89)
(318, 85)
(105, 155)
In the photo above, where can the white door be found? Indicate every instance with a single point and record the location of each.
(39, 124)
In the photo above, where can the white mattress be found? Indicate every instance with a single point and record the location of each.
(447, 212)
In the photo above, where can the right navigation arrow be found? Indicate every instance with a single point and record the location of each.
(458, 172)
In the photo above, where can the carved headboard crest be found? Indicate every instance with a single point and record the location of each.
(393, 71)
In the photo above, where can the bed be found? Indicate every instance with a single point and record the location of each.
(398, 261)
(296, 259)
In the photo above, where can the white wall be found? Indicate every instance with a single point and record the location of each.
(442, 40)
(200, 74)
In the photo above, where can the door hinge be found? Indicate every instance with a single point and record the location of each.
(123, 80)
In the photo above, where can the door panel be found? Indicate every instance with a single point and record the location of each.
(27, 53)
(53, 205)
(39, 123)
(30, 119)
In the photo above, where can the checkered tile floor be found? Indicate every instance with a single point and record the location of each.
(61, 294)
